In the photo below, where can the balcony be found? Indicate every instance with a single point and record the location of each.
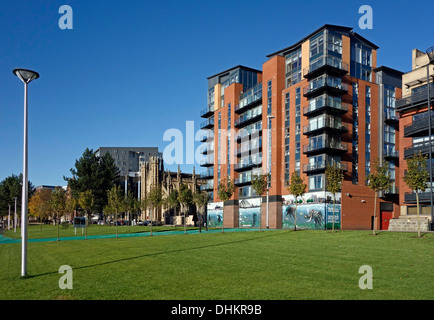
(315, 109)
(391, 155)
(248, 118)
(252, 162)
(325, 86)
(247, 148)
(207, 112)
(329, 65)
(391, 118)
(208, 136)
(245, 180)
(250, 99)
(246, 135)
(327, 147)
(326, 125)
(422, 147)
(207, 162)
(418, 100)
(418, 127)
(207, 187)
(424, 197)
(321, 166)
(207, 174)
(208, 124)
(207, 150)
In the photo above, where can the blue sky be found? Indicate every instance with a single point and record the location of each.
(129, 70)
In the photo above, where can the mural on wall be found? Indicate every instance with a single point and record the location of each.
(249, 213)
(314, 211)
(215, 214)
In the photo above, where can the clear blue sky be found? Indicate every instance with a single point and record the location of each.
(131, 69)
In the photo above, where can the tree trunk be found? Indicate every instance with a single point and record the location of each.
(260, 216)
(295, 216)
(418, 224)
(87, 219)
(333, 220)
(116, 223)
(58, 231)
(151, 220)
(375, 213)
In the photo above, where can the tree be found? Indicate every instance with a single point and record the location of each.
(416, 178)
(225, 192)
(260, 185)
(10, 188)
(297, 188)
(39, 205)
(185, 198)
(378, 180)
(114, 203)
(172, 201)
(86, 200)
(334, 177)
(94, 173)
(155, 198)
(201, 198)
(58, 206)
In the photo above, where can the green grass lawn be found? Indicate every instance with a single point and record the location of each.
(275, 264)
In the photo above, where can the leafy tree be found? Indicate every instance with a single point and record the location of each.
(155, 198)
(416, 178)
(201, 198)
(114, 203)
(94, 173)
(334, 177)
(39, 205)
(10, 188)
(58, 206)
(225, 191)
(297, 188)
(86, 200)
(260, 185)
(185, 198)
(378, 180)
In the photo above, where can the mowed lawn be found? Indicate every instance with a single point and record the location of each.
(274, 264)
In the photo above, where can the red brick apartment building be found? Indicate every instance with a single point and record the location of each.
(324, 100)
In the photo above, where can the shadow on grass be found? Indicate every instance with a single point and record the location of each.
(166, 252)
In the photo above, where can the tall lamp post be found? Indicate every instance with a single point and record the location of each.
(26, 76)
(430, 53)
(269, 117)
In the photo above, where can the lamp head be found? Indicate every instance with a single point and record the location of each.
(25, 75)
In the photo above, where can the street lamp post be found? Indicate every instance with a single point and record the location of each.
(269, 117)
(26, 76)
(430, 53)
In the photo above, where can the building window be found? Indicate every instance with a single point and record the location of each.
(293, 68)
(316, 182)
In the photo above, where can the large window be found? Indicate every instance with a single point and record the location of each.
(293, 68)
(361, 62)
(316, 182)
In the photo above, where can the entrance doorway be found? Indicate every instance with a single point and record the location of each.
(386, 216)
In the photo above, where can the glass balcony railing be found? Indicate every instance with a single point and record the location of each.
(249, 117)
(322, 165)
(207, 124)
(324, 145)
(337, 106)
(323, 63)
(324, 125)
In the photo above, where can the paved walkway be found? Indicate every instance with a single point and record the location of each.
(6, 240)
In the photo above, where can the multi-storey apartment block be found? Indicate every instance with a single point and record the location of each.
(317, 102)
(414, 129)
